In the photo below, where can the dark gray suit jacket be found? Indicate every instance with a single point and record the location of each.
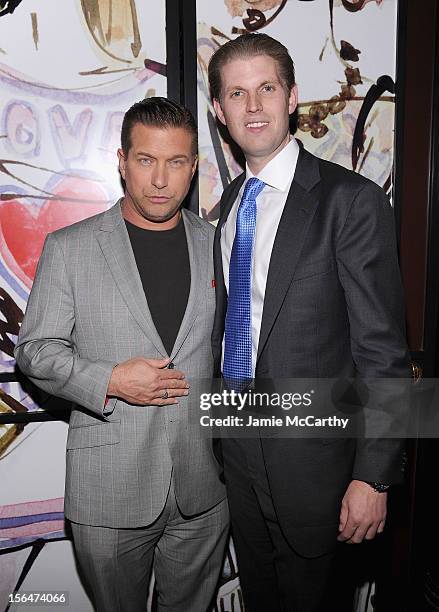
(333, 308)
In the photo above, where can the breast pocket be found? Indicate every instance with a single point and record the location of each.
(314, 268)
(88, 436)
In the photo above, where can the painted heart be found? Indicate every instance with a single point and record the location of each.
(23, 226)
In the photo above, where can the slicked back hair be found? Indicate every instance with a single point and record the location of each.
(158, 112)
(244, 47)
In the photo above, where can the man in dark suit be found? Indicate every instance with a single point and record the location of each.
(308, 286)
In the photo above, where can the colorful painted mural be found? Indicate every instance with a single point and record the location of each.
(346, 81)
(66, 78)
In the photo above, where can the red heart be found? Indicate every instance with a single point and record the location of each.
(23, 227)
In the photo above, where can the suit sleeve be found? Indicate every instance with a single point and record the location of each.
(369, 272)
(45, 351)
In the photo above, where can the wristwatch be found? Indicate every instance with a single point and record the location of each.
(378, 486)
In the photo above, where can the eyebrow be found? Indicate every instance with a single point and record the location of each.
(179, 156)
(268, 82)
(174, 157)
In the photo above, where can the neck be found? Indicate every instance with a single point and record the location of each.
(131, 215)
(256, 164)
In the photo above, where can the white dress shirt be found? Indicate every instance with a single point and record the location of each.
(277, 175)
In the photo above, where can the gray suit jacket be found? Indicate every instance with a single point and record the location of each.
(87, 312)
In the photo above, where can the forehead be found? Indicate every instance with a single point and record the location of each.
(249, 71)
(170, 140)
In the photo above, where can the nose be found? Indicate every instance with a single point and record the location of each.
(160, 176)
(254, 103)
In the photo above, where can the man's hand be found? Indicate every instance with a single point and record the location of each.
(144, 381)
(363, 513)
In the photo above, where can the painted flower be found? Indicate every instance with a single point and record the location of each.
(348, 52)
(312, 121)
(238, 7)
(353, 76)
(355, 5)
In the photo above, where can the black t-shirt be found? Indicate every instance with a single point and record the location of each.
(163, 262)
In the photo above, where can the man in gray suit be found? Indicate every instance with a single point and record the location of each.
(119, 322)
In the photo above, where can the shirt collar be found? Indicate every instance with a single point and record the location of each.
(279, 171)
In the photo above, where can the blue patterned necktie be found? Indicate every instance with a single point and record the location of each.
(237, 366)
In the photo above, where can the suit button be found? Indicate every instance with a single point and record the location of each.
(171, 366)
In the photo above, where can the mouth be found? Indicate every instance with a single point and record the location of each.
(156, 199)
(256, 126)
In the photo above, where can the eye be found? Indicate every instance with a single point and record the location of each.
(176, 163)
(145, 161)
(268, 87)
(236, 94)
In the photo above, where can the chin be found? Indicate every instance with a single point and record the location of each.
(163, 218)
(262, 152)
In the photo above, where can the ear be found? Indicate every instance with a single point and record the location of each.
(219, 111)
(293, 99)
(122, 160)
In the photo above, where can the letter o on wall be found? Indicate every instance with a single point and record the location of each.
(20, 125)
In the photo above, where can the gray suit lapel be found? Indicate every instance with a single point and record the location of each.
(298, 213)
(226, 204)
(116, 248)
(197, 241)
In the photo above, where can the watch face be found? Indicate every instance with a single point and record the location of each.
(380, 488)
